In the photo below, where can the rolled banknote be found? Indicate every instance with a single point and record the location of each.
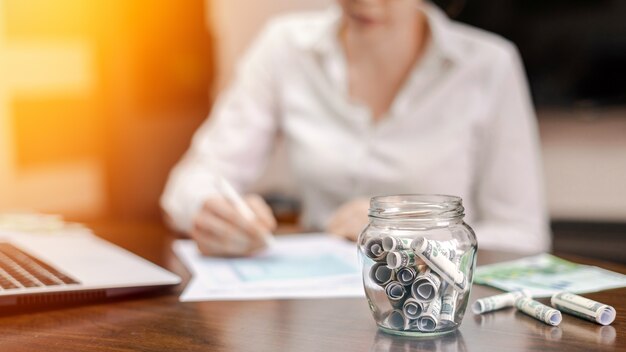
(503, 300)
(429, 319)
(448, 247)
(396, 320)
(538, 311)
(448, 305)
(411, 324)
(583, 308)
(426, 285)
(412, 308)
(395, 292)
(456, 259)
(544, 331)
(374, 249)
(406, 275)
(381, 275)
(447, 251)
(392, 243)
(437, 260)
(400, 259)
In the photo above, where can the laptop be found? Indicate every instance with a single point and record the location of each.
(46, 269)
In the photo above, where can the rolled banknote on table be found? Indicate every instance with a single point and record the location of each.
(440, 262)
(401, 259)
(426, 285)
(538, 311)
(412, 308)
(429, 320)
(503, 300)
(406, 275)
(448, 305)
(381, 275)
(391, 243)
(583, 308)
(374, 249)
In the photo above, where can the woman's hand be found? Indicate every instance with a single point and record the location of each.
(220, 230)
(350, 219)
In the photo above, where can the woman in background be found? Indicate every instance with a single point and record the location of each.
(372, 97)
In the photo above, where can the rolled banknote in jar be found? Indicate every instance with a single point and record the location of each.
(395, 292)
(396, 320)
(381, 275)
(429, 319)
(503, 300)
(447, 251)
(448, 248)
(448, 305)
(412, 308)
(538, 311)
(440, 262)
(401, 259)
(583, 308)
(391, 243)
(374, 249)
(406, 275)
(426, 285)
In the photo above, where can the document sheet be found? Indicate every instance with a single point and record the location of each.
(296, 266)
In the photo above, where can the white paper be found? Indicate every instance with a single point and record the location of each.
(297, 266)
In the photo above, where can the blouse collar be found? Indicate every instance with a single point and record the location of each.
(323, 38)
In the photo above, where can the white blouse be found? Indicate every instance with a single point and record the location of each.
(462, 124)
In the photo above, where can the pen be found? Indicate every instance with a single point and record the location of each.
(229, 192)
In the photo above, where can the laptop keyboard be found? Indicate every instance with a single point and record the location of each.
(20, 270)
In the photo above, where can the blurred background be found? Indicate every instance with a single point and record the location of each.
(99, 99)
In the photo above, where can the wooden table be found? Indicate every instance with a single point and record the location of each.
(159, 322)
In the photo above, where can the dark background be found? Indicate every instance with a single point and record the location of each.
(574, 50)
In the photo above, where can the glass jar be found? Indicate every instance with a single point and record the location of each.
(417, 257)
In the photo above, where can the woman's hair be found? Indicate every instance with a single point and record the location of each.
(452, 7)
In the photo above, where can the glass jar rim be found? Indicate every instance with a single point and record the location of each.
(417, 207)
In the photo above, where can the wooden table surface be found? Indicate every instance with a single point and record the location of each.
(159, 322)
